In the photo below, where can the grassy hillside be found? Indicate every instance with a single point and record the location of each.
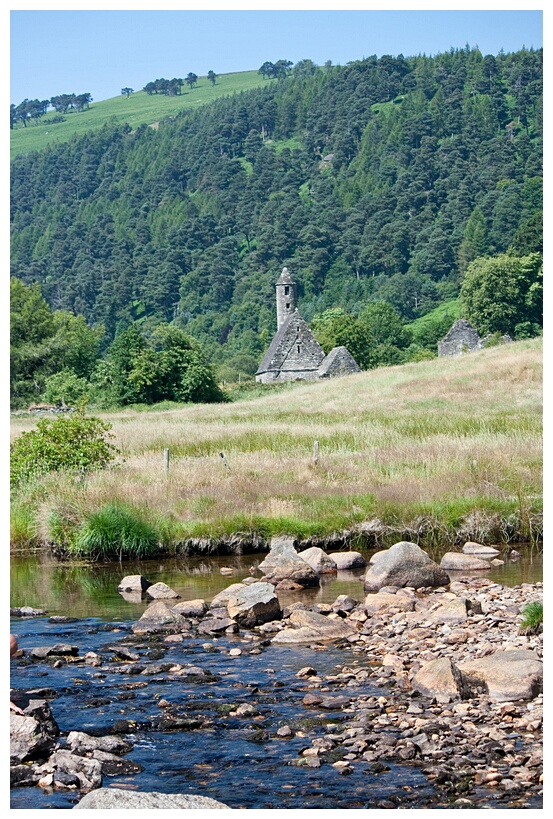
(438, 451)
(138, 109)
(448, 312)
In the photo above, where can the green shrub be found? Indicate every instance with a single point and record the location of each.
(65, 387)
(68, 443)
(532, 620)
(118, 531)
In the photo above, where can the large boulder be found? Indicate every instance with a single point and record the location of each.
(83, 743)
(133, 583)
(442, 680)
(319, 561)
(87, 771)
(309, 627)
(221, 599)
(158, 617)
(191, 608)
(254, 605)
(284, 563)
(41, 711)
(348, 560)
(506, 675)
(115, 799)
(451, 611)
(29, 739)
(23, 776)
(161, 591)
(404, 564)
(459, 562)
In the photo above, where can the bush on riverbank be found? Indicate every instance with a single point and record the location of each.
(68, 443)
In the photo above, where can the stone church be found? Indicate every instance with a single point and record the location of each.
(294, 353)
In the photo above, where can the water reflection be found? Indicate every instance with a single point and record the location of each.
(83, 590)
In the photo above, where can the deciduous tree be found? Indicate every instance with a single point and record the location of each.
(499, 294)
(169, 365)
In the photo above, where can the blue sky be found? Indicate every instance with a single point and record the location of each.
(100, 51)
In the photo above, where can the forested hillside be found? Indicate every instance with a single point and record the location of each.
(378, 181)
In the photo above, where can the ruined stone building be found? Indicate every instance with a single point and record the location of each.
(463, 338)
(294, 354)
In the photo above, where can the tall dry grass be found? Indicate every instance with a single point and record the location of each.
(446, 440)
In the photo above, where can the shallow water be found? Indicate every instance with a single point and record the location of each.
(85, 590)
(237, 760)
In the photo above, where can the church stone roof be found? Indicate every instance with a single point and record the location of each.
(338, 362)
(294, 348)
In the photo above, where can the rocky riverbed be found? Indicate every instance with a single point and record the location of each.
(438, 683)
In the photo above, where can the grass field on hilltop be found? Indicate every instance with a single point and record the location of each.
(137, 109)
(441, 450)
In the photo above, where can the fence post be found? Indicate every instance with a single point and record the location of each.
(166, 459)
(316, 452)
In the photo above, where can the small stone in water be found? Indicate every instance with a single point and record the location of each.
(235, 652)
(308, 671)
(285, 731)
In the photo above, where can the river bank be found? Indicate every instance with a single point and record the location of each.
(309, 714)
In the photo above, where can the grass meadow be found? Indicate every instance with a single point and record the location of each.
(137, 109)
(441, 451)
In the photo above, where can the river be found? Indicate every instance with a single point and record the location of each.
(240, 761)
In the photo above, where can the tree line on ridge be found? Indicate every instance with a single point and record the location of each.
(382, 185)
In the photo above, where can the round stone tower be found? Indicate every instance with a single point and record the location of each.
(285, 297)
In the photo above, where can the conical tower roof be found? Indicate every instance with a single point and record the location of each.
(285, 277)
